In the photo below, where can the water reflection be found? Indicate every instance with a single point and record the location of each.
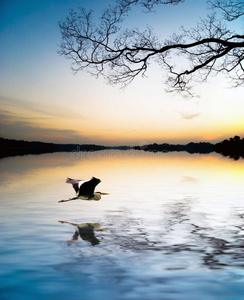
(86, 232)
(222, 252)
(216, 247)
(181, 234)
(176, 226)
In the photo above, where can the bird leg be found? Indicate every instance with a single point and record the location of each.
(70, 199)
(64, 222)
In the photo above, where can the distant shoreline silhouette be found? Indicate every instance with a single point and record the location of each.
(233, 147)
(11, 147)
(202, 147)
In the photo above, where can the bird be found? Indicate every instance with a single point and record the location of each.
(85, 189)
(85, 231)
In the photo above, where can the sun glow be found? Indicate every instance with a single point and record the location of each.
(51, 105)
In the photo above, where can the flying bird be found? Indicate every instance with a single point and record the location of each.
(85, 189)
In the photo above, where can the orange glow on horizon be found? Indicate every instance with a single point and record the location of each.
(106, 127)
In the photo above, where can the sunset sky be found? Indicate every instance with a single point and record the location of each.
(41, 99)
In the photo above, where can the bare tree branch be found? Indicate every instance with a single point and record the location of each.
(120, 56)
(148, 4)
(232, 9)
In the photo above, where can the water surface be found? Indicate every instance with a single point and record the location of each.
(174, 227)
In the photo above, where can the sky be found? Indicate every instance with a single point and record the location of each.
(41, 99)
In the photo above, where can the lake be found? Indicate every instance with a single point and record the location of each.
(174, 227)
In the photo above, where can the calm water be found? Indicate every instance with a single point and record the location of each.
(175, 227)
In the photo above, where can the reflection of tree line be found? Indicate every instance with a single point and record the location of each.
(215, 252)
(130, 234)
(224, 253)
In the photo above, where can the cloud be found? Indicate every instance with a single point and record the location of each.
(25, 131)
(13, 126)
(188, 180)
(188, 116)
(48, 110)
(7, 117)
(20, 119)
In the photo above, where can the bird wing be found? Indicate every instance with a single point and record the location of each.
(87, 188)
(75, 183)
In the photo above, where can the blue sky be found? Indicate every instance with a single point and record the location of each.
(42, 100)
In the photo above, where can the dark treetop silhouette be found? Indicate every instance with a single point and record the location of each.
(233, 147)
(121, 55)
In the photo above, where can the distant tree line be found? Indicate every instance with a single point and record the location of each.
(10, 147)
(233, 147)
(201, 147)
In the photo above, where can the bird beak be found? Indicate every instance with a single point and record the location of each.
(104, 193)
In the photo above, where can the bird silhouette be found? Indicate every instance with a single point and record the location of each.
(85, 231)
(85, 190)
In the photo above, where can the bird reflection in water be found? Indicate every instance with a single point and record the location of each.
(85, 190)
(86, 232)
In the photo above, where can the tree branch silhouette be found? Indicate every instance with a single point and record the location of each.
(121, 55)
